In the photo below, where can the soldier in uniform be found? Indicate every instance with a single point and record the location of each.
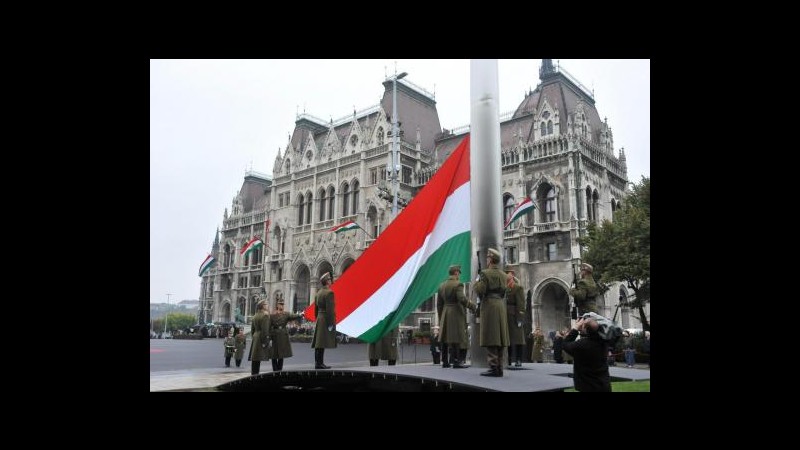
(259, 348)
(241, 343)
(325, 328)
(586, 291)
(453, 318)
(281, 347)
(385, 348)
(515, 316)
(491, 287)
(230, 346)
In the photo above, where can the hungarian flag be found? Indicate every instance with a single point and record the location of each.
(347, 226)
(405, 265)
(206, 265)
(520, 210)
(254, 243)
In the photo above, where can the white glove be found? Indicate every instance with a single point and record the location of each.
(330, 327)
(519, 324)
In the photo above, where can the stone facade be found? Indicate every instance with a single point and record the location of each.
(554, 149)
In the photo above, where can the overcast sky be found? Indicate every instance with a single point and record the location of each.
(210, 120)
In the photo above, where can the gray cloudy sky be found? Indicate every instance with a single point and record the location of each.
(210, 120)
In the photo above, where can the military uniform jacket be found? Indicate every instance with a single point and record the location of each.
(230, 346)
(241, 343)
(385, 348)
(491, 287)
(537, 354)
(453, 318)
(324, 311)
(515, 313)
(585, 294)
(259, 348)
(281, 347)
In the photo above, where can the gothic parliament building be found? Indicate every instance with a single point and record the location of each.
(554, 149)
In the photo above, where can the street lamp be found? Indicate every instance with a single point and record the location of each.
(395, 143)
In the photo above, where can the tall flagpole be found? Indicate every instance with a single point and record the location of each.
(485, 184)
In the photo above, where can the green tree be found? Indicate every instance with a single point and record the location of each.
(620, 250)
(175, 321)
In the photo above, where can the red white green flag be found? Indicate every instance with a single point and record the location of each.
(206, 265)
(254, 243)
(521, 209)
(405, 265)
(347, 226)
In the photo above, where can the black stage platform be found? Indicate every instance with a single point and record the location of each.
(420, 378)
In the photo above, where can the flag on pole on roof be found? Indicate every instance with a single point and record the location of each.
(404, 266)
(521, 209)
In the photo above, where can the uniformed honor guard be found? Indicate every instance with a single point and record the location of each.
(241, 344)
(325, 329)
(453, 318)
(281, 347)
(491, 287)
(585, 291)
(259, 348)
(515, 315)
(385, 348)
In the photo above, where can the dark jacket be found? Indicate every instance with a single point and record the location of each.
(590, 366)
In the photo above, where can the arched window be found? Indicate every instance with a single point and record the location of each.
(508, 207)
(354, 140)
(300, 208)
(543, 129)
(613, 206)
(355, 196)
(227, 256)
(550, 205)
(309, 206)
(321, 194)
(380, 135)
(595, 206)
(331, 199)
(549, 127)
(345, 199)
(588, 203)
(288, 165)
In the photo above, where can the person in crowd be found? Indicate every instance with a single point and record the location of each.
(538, 346)
(585, 292)
(590, 369)
(281, 347)
(646, 346)
(491, 287)
(241, 343)
(260, 326)
(436, 350)
(558, 341)
(385, 348)
(628, 350)
(453, 319)
(230, 347)
(515, 316)
(325, 328)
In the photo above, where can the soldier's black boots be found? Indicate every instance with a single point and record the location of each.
(459, 365)
(274, 365)
(255, 367)
(373, 362)
(319, 354)
(392, 362)
(494, 371)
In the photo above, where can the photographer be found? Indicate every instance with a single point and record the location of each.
(590, 368)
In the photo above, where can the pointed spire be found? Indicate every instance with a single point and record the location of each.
(546, 69)
(622, 159)
(215, 245)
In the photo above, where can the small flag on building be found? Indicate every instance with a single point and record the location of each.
(254, 243)
(347, 226)
(520, 210)
(206, 265)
